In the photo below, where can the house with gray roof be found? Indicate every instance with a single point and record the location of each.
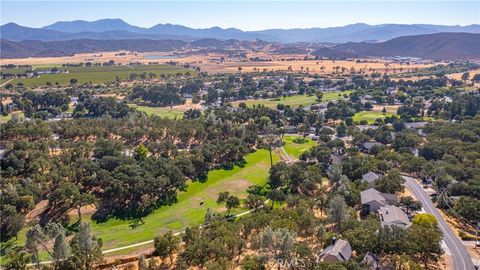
(417, 126)
(370, 178)
(368, 146)
(373, 200)
(393, 216)
(339, 251)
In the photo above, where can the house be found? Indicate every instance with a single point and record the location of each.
(371, 178)
(373, 200)
(314, 137)
(291, 129)
(366, 127)
(339, 251)
(371, 261)
(393, 216)
(368, 146)
(74, 100)
(327, 129)
(318, 106)
(335, 159)
(416, 125)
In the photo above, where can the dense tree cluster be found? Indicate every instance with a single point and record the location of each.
(127, 166)
(453, 151)
(101, 106)
(158, 95)
(42, 105)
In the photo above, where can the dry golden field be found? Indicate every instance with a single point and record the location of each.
(219, 63)
(458, 76)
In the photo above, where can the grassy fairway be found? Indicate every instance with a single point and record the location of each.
(10, 115)
(294, 150)
(160, 111)
(188, 211)
(294, 101)
(369, 116)
(98, 74)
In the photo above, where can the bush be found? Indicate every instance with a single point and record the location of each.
(299, 140)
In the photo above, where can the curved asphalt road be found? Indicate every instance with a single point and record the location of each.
(460, 256)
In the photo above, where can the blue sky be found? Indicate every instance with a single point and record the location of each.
(246, 15)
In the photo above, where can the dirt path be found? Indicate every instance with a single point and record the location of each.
(5, 83)
(289, 159)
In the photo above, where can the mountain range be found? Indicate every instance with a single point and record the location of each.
(106, 29)
(439, 46)
(36, 48)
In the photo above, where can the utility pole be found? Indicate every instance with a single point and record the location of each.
(477, 242)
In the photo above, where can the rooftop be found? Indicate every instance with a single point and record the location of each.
(392, 215)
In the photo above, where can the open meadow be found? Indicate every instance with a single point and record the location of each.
(370, 116)
(295, 100)
(294, 149)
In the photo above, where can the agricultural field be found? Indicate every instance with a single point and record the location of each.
(97, 74)
(294, 101)
(317, 66)
(209, 62)
(370, 116)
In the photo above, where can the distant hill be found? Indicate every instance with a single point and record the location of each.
(118, 29)
(95, 26)
(14, 49)
(440, 46)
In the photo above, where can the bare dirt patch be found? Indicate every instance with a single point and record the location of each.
(39, 209)
(389, 108)
(187, 106)
(84, 210)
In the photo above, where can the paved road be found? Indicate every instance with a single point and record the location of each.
(460, 256)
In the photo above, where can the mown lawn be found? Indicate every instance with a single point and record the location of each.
(98, 75)
(159, 111)
(370, 116)
(10, 115)
(294, 150)
(294, 101)
(188, 211)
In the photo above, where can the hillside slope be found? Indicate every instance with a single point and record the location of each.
(440, 46)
